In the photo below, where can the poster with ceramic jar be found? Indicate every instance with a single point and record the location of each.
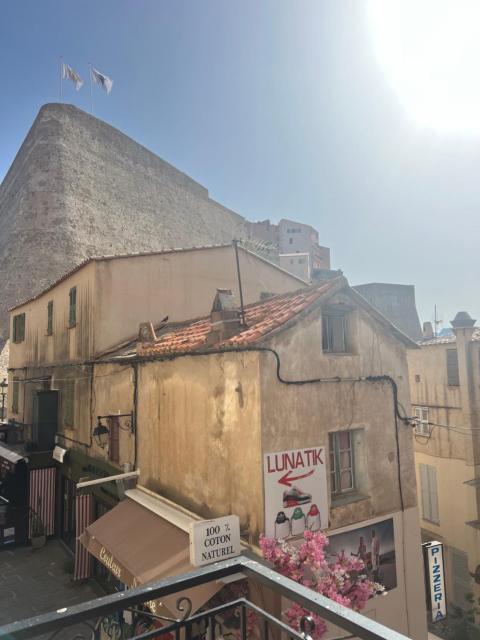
(296, 495)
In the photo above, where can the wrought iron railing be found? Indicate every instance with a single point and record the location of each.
(120, 616)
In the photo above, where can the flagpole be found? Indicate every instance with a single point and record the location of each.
(61, 78)
(91, 92)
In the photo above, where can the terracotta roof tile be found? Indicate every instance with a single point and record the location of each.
(261, 319)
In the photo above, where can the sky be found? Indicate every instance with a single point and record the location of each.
(281, 109)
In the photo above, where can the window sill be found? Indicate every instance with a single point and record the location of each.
(72, 326)
(348, 498)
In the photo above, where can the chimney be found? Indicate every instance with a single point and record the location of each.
(146, 333)
(225, 317)
(463, 325)
(427, 330)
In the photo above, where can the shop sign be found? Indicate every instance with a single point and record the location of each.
(434, 553)
(214, 540)
(296, 497)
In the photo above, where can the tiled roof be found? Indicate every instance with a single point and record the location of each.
(261, 319)
(448, 339)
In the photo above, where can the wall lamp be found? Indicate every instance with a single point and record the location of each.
(101, 433)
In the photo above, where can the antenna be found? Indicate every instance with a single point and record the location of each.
(436, 321)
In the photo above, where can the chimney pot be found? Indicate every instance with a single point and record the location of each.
(463, 321)
(427, 330)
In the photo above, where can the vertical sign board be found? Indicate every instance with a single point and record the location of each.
(296, 496)
(434, 565)
(214, 540)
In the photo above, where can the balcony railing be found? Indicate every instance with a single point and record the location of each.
(105, 616)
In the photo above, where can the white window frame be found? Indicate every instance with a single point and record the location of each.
(422, 427)
(335, 465)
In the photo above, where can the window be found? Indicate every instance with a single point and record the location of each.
(341, 462)
(421, 421)
(334, 333)
(428, 485)
(301, 261)
(69, 403)
(50, 318)
(461, 579)
(114, 439)
(417, 377)
(452, 368)
(72, 317)
(290, 241)
(19, 328)
(15, 395)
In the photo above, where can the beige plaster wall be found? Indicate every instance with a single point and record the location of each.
(181, 285)
(66, 343)
(199, 434)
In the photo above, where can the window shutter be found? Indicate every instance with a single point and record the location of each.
(72, 320)
(432, 485)
(114, 439)
(460, 577)
(50, 318)
(424, 489)
(69, 403)
(452, 368)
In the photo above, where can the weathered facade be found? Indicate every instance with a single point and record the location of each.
(444, 384)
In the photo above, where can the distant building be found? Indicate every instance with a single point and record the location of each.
(397, 303)
(296, 245)
(444, 379)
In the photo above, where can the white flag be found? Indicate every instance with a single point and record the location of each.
(69, 74)
(100, 78)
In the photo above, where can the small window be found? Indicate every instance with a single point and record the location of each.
(72, 316)
(290, 241)
(422, 427)
(417, 377)
(69, 403)
(334, 333)
(452, 368)
(50, 318)
(113, 439)
(428, 485)
(15, 395)
(341, 462)
(301, 261)
(19, 327)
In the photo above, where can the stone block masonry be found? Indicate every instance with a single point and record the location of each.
(78, 188)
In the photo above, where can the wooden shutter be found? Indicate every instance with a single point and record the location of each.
(424, 490)
(452, 368)
(72, 319)
(114, 439)
(15, 394)
(461, 581)
(69, 403)
(50, 318)
(432, 489)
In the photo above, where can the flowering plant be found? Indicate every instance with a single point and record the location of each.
(343, 581)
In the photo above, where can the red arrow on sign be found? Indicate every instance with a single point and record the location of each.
(287, 479)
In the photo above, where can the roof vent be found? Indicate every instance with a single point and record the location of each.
(463, 321)
(225, 317)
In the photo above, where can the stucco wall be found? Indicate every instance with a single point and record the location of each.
(80, 188)
(181, 285)
(199, 434)
(66, 343)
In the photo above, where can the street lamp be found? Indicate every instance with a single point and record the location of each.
(101, 433)
(3, 387)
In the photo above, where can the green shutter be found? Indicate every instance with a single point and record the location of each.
(72, 319)
(68, 403)
(19, 328)
(452, 368)
(50, 318)
(15, 394)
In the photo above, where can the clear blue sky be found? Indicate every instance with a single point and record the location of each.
(281, 109)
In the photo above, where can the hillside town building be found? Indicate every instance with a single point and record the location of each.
(444, 383)
(289, 414)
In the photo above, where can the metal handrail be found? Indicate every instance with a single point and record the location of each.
(348, 620)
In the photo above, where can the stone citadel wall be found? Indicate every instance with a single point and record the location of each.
(78, 187)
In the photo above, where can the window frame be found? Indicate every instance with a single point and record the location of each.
(334, 452)
(422, 427)
(19, 328)
(72, 307)
(50, 318)
(328, 337)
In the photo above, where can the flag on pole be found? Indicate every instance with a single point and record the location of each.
(100, 78)
(69, 74)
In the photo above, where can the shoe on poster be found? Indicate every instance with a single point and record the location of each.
(313, 518)
(282, 526)
(298, 522)
(294, 497)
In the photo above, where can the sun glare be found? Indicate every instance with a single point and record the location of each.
(430, 51)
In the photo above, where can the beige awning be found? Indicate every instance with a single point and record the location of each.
(139, 546)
